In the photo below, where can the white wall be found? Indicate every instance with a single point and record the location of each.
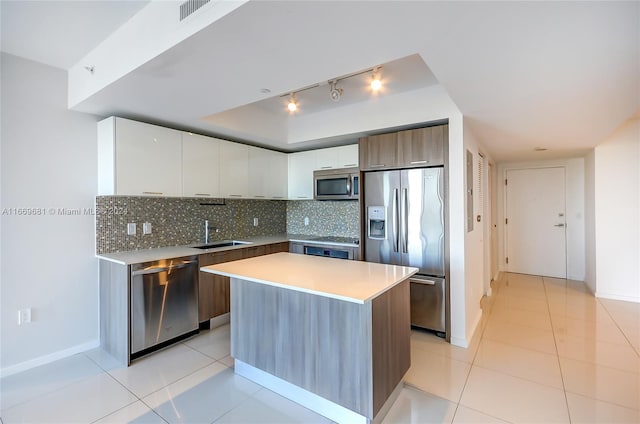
(473, 245)
(617, 214)
(574, 210)
(590, 219)
(48, 161)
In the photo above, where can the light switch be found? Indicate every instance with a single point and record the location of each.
(131, 229)
(306, 220)
(146, 228)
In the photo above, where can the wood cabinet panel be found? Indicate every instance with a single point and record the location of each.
(405, 149)
(214, 292)
(378, 151)
(276, 248)
(421, 147)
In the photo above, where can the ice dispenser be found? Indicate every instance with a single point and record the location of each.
(376, 222)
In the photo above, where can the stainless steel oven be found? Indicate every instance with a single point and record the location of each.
(336, 184)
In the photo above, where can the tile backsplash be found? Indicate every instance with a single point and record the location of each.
(327, 218)
(180, 221)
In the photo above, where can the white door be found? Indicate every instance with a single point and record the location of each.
(536, 225)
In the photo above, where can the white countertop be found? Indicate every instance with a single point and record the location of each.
(158, 253)
(353, 281)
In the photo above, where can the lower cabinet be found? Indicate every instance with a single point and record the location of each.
(214, 292)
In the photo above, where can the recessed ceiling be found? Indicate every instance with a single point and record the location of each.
(409, 73)
(562, 75)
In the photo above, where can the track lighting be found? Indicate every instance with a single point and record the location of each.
(335, 93)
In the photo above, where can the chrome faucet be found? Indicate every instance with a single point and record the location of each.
(206, 231)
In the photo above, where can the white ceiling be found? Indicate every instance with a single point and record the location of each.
(59, 33)
(559, 75)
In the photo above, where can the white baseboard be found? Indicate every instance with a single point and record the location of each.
(220, 320)
(465, 342)
(47, 359)
(460, 342)
(617, 297)
(309, 400)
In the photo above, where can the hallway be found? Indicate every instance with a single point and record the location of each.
(547, 351)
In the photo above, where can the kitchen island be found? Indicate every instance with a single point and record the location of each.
(330, 334)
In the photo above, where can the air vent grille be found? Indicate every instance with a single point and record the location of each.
(190, 6)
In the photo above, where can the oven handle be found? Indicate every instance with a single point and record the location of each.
(424, 281)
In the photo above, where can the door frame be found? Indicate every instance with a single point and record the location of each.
(502, 261)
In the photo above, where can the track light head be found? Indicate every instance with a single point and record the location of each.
(335, 94)
(292, 105)
(376, 83)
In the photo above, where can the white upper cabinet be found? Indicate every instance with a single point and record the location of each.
(138, 159)
(337, 157)
(326, 158)
(278, 174)
(267, 174)
(347, 156)
(234, 170)
(200, 166)
(258, 172)
(301, 166)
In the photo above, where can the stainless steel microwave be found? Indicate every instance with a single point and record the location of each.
(336, 184)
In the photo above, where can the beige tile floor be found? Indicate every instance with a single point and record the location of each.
(546, 351)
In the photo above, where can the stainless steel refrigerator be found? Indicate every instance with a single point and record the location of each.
(405, 225)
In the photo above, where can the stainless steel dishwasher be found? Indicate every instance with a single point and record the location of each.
(164, 303)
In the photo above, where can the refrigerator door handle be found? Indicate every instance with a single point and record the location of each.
(405, 221)
(395, 213)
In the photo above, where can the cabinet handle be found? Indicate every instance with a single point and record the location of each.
(258, 196)
(202, 194)
(152, 192)
(278, 197)
(301, 197)
(326, 167)
(349, 165)
(378, 165)
(416, 162)
(235, 195)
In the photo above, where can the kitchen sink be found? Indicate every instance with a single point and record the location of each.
(222, 243)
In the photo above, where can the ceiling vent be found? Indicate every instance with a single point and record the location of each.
(190, 6)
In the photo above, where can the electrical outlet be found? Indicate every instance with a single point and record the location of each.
(306, 220)
(24, 316)
(146, 228)
(131, 229)
(255, 222)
